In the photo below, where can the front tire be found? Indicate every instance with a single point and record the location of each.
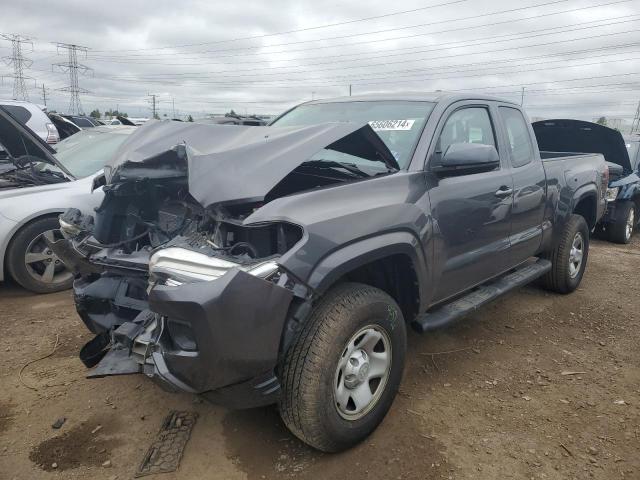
(32, 264)
(622, 230)
(568, 257)
(341, 374)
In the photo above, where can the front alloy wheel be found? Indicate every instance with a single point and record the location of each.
(621, 230)
(32, 263)
(631, 223)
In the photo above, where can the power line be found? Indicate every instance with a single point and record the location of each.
(429, 24)
(287, 32)
(73, 68)
(19, 63)
(440, 47)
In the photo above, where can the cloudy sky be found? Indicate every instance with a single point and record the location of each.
(574, 58)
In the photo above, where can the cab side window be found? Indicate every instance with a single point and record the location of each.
(520, 147)
(467, 125)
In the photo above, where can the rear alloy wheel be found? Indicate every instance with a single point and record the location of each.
(622, 230)
(33, 264)
(341, 374)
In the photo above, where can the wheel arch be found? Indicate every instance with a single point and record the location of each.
(585, 204)
(393, 262)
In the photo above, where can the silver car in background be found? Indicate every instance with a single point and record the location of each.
(39, 184)
(34, 117)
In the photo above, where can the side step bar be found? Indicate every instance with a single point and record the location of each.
(450, 312)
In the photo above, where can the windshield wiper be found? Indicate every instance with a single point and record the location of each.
(351, 168)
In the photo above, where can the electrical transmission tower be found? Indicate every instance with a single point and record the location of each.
(19, 63)
(154, 104)
(73, 67)
(635, 126)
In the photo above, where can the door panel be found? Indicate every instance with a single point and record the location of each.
(471, 213)
(529, 183)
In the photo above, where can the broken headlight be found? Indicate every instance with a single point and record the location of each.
(174, 266)
(612, 194)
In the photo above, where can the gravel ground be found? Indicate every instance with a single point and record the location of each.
(534, 386)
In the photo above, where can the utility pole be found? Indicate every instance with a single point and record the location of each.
(522, 98)
(154, 104)
(73, 67)
(173, 108)
(44, 95)
(349, 89)
(19, 63)
(635, 126)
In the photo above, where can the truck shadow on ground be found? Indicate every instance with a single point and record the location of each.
(260, 445)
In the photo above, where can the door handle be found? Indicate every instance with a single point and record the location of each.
(504, 192)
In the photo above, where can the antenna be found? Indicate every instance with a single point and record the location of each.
(19, 63)
(73, 67)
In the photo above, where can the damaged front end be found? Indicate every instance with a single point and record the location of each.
(171, 276)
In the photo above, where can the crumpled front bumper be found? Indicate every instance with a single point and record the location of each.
(219, 338)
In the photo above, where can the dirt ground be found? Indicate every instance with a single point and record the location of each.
(533, 386)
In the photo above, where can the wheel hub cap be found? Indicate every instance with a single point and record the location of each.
(362, 372)
(356, 370)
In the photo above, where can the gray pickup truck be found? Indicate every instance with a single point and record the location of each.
(283, 264)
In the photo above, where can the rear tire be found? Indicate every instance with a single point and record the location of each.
(329, 399)
(32, 264)
(622, 230)
(568, 257)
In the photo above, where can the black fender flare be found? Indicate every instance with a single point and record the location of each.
(366, 250)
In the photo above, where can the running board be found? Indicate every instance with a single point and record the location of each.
(450, 312)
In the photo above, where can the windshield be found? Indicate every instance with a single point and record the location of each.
(86, 152)
(398, 123)
(632, 148)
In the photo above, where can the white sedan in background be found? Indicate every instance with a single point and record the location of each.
(38, 184)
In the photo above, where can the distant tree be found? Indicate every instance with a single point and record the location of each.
(95, 113)
(189, 118)
(114, 113)
(602, 121)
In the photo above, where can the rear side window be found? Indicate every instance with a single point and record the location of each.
(82, 122)
(19, 113)
(467, 125)
(519, 138)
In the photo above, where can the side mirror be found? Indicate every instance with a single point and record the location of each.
(98, 181)
(466, 158)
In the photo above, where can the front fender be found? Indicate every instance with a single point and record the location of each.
(361, 252)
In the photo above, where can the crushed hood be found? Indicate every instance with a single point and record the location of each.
(582, 137)
(227, 163)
